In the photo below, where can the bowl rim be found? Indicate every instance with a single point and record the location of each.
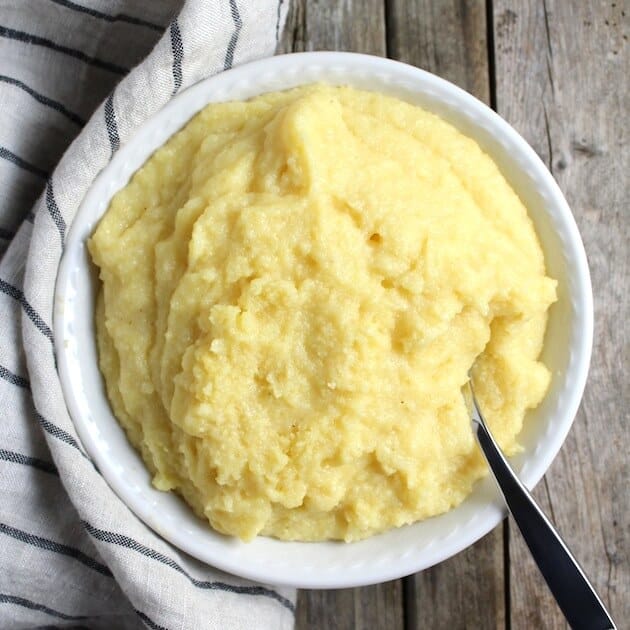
(364, 574)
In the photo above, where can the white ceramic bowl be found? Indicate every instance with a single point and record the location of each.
(398, 552)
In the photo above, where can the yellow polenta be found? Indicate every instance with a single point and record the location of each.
(293, 291)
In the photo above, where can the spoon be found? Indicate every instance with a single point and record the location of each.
(575, 595)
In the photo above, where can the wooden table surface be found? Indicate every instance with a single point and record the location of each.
(557, 70)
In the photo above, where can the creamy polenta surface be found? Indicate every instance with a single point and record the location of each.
(294, 289)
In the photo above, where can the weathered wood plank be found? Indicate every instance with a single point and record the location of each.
(561, 80)
(466, 591)
(446, 37)
(354, 25)
(364, 608)
(346, 25)
(449, 39)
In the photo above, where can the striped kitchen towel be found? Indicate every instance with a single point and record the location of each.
(73, 88)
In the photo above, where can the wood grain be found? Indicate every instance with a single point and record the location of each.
(561, 80)
(358, 26)
(369, 607)
(465, 591)
(446, 37)
(345, 25)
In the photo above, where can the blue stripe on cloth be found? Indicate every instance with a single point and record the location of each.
(17, 295)
(111, 124)
(231, 47)
(44, 100)
(118, 17)
(14, 379)
(129, 543)
(60, 434)
(53, 210)
(149, 622)
(5, 598)
(177, 48)
(27, 460)
(5, 154)
(35, 40)
(55, 547)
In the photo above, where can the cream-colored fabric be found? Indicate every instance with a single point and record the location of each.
(72, 553)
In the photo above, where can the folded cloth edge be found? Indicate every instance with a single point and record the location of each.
(196, 44)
